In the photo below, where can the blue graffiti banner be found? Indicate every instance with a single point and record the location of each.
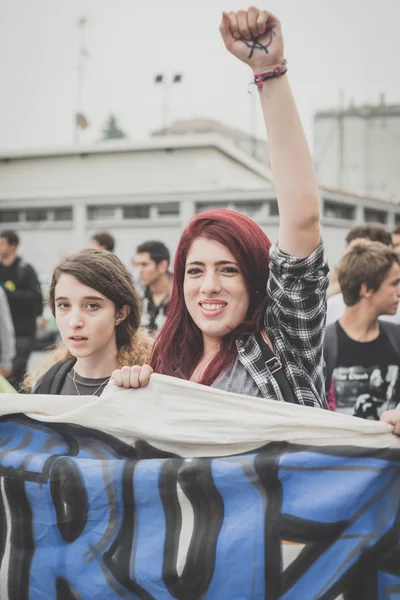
(86, 516)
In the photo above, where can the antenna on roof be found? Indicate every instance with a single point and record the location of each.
(80, 121)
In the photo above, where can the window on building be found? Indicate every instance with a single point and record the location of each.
(99, 213)
(397, 218)
(202, 206)
(136, 211)
(9, 216)
(171, 209)
(372, 215)
(36, 215)
(338, 210)
(63, 214)
(250, 209)
(273, 208)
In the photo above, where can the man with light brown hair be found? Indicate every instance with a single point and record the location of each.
(376, 232)
(362, 354)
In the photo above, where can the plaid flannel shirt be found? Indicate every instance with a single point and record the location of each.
(295, 322)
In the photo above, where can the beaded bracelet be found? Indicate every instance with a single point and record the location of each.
(259, 78)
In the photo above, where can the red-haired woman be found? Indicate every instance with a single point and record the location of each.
(244, 316)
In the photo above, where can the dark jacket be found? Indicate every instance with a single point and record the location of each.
(7, 335)
(24, 295)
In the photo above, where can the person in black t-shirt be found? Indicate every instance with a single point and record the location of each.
(362, 353)
(152, 262)
(24, 295)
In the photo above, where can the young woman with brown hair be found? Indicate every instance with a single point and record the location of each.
(98, 315)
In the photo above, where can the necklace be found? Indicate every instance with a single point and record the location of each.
(95, 392)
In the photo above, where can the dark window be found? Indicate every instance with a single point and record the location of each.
(171, 209)
(63, 214)
(137, 211)
(98, 213)
(397, 218)
(250, 209)
(372, 215)
(337, 210)
(202, 206)
(273, 208)
(9, 216)
(35, 215)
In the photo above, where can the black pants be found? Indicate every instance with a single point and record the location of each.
(24, 346)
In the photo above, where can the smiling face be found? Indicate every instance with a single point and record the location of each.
(214, 289)
(86, 319)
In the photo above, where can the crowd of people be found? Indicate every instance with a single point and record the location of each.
(236, 313)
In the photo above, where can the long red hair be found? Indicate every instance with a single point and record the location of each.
(179, 346)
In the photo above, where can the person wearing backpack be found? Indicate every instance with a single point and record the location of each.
(362, 352)
(20, 282)
(98, 312)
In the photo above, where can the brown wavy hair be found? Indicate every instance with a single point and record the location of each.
(105, 273)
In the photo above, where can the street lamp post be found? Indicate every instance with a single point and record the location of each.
(167, 82)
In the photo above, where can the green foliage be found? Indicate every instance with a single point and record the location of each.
(112, 131)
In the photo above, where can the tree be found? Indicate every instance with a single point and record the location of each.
(112, 130)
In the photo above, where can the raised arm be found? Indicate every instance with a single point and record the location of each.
(255, 37)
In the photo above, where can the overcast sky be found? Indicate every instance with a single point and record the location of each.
(352, 45)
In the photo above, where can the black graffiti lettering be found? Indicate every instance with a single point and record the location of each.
(39, 474)
(146, 451)
(117, 558)
(173, 518)
(317, 537)
(70, 499)
(361, 581)
(267, 468)
(17, 541)
(49, 471)
(195, 478)
(65, 591)
(121, 553)
(389, 561)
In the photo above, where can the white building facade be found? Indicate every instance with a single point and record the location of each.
(358, 150)
(57, 199)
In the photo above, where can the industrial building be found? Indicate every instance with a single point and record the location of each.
(57, 198)
(357, 149)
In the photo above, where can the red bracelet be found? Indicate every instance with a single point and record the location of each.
(259, 78)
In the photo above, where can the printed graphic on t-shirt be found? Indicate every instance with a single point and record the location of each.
(365, 392)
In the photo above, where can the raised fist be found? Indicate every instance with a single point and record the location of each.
(255, 37)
